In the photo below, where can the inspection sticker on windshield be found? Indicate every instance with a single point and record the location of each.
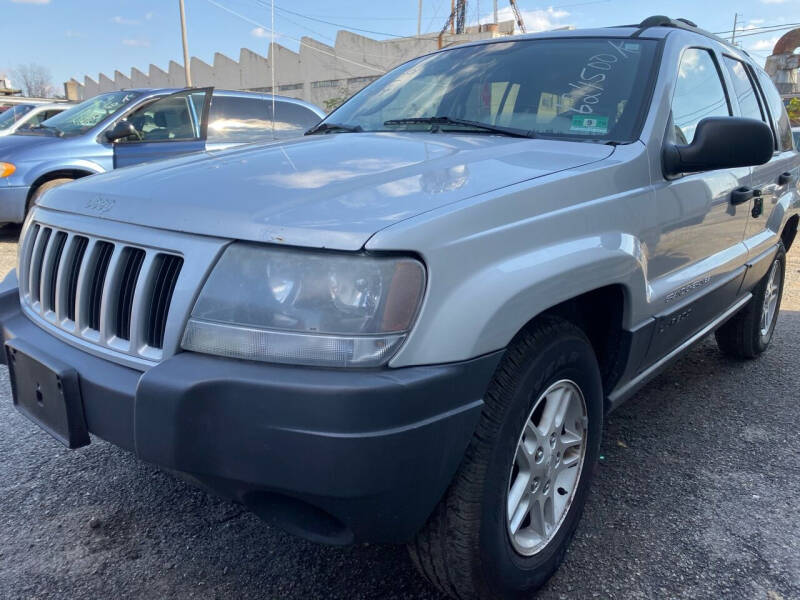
(593, 124)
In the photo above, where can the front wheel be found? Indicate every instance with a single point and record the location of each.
(504, 525)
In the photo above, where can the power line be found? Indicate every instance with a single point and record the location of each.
(384, 33)
(301, 42)
(766, 32)
(339, 25)
(752, 30)
(333, 41)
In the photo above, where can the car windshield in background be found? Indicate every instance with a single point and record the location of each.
(87, 114)
(14, 114)
(580, 88)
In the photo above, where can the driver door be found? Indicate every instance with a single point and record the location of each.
(166, 127)
(696, 255)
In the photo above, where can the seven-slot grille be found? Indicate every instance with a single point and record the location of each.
(111, 294)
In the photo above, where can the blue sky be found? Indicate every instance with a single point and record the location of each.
(74, 38)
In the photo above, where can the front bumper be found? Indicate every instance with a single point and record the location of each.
(331, 455)
(12, 203)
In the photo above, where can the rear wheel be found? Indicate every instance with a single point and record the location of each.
(47, 185)
(504, 525)
(750, 331)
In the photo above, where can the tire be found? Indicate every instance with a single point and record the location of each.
(466, 548)
(47, 185)
(749, 333)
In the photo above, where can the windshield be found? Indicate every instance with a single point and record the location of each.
(81, 118)
(14, 114)
(578, 88)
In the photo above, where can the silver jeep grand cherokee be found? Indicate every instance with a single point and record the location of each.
(409, 325)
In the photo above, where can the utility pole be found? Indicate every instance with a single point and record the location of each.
(419, 19)
(735, 23)
(495, 12)
(271, 55)
(186, 65)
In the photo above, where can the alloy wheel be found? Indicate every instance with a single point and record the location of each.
(547, 467)
(771, 297)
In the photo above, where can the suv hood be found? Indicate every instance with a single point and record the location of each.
(322, 191)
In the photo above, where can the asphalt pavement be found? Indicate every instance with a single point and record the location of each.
(697, 495)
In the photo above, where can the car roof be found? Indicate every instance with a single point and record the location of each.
(223, 92)
(54, 105)
(655, 27)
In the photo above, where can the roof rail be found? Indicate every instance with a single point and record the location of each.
(685, 24)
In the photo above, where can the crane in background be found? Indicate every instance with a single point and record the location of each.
(518, 16)
(456, 22)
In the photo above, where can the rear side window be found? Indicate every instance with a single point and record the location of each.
(292, 120)
(778, 112)
(699, 94)
(241, 120)
(744, 90)
(238, 119)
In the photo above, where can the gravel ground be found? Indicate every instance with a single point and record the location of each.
(696, 496)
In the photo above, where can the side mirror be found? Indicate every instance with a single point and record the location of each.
(122, 130)
(721, 143)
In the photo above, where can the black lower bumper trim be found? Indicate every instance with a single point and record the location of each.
(334, 455)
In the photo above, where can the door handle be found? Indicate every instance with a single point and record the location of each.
(785, 178)
(743, 194)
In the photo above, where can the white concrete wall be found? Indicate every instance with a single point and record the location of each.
(318, 73)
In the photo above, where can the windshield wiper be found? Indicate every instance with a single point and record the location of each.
(464, 122)
(334, 127)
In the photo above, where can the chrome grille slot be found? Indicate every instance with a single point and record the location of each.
(35, 281)
(27, 257)
(79, 244)
(132, 264)
(103, 252)
(167, 268)
(52, 265)
(124, 297)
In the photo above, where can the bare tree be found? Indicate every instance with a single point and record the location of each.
(34, 79)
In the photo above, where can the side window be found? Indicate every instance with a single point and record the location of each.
(172, 118)
(699, 94)
(36, 119)
(777, 111)
(292, 120)
(743, 88)
(40, 118)
(238, 119)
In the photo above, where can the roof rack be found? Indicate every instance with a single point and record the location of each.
(685, 24)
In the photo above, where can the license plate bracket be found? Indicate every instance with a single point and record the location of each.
(47, 392)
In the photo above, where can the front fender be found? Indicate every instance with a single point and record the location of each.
(35, 172)
(549, 276)
(486, 310)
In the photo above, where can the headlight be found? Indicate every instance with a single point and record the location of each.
(302, 307)
(6, 169)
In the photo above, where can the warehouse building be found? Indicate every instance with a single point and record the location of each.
(319, 73)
